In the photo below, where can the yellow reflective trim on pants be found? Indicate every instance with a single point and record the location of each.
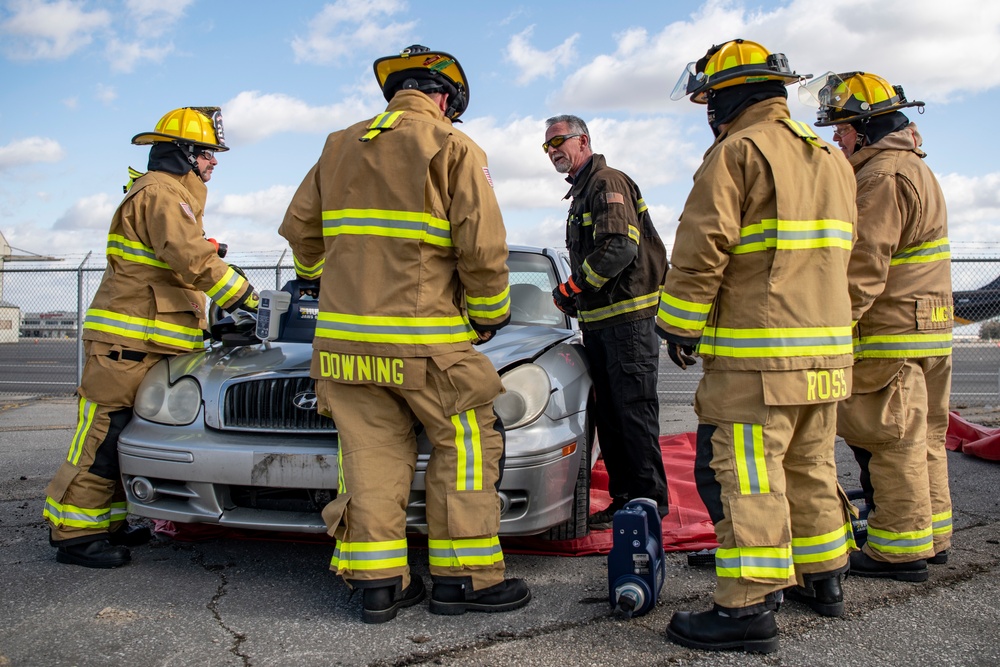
(751, 466)
(369, 555)
(682, 314)
(71, 516)
(908, 542)
(85, 419)
(474, 552)
(469, 452)
(821, 548)
(758, 562)
(941, 523)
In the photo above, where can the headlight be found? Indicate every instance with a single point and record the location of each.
(159, 401)
(527, 396)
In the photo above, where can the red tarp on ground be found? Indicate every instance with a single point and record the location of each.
(686, 528)
(972, 439)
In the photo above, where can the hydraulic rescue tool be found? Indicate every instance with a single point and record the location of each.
(635, 564)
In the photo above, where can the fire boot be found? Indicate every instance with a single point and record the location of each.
(381, 604)
(940, 558)
(864, 565)
(96, 553)
(712, 631)
(825, 596)
(130, 536)
(451, 599)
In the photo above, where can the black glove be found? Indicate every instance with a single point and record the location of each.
(681, 354)
(564, 302)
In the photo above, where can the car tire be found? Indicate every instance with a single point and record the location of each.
(576, 526)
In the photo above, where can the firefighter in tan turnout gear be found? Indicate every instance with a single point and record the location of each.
(758, 286)
(399, 220)
(900, 273)
(150, 305)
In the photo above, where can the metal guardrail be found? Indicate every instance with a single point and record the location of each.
(41, 352)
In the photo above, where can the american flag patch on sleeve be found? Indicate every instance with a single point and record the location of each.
(614, 198)
(489, 179)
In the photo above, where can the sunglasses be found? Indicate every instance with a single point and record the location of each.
(557, 141)
(208, 155)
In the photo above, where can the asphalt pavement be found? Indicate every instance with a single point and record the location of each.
(262, 603)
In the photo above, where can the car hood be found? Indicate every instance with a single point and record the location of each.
(512, 345)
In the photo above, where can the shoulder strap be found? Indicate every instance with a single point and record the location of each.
(384, 121)
(804, 132)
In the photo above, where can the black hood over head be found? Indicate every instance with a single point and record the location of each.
(726, 103)
(878, 127)
(169, 157)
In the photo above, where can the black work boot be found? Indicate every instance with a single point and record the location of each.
(604, 519)
(381, 604)
(711, 631)
(940, 558)
(825, 596)
(130, 536)
(864, 565)
(96, 553)
(454, 599)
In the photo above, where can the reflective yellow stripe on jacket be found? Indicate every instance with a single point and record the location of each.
(781, 342)
(489, 307)
(354, 556)
(619, 308)
(475, 552)
(682, 314)
(133, 251)
(313, 271)
(139, 328)
(227, 288)
(903, 346)
(404, 330)
(934, 251)
(394, 224)
(795, 235)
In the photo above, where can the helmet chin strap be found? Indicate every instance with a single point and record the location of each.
(191, 156)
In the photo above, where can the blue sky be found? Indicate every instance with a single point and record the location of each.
(81, 77)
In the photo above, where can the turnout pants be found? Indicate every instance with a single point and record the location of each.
(624, 361)
(452, 398)
(768, 478)
(896, 422)
(85, 500)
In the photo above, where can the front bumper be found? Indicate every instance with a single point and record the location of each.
(280, 482)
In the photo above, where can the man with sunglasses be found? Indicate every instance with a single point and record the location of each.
(150, 305)
(618, 263)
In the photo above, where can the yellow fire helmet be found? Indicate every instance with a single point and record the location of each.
(418, 68)
(735, 62)
(197, 126)
(851, 96)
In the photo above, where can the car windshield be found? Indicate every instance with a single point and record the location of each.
(532, 279)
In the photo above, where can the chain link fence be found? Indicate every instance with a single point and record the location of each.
(41, 353)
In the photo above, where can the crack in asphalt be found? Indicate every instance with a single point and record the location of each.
(213, 605)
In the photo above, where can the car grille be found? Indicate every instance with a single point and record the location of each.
(267, 405)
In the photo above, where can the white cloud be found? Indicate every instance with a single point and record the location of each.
(347, 26)
(126, 56)
(32, 150)
(50, 30)
(534, 63)
(89, 213)
(816, 36)
(266, 207)
(973, 206)
(252, 115)
(156, 15)
(106, 94)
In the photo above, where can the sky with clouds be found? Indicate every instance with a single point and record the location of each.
(81, 77)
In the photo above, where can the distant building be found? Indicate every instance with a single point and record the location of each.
(55, 324)
(10, 322)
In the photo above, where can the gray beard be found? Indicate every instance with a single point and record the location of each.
(562, 167)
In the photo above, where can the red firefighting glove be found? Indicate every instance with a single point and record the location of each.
(564, 296)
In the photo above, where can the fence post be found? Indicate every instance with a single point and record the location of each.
(277, 270)
(79, 318)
